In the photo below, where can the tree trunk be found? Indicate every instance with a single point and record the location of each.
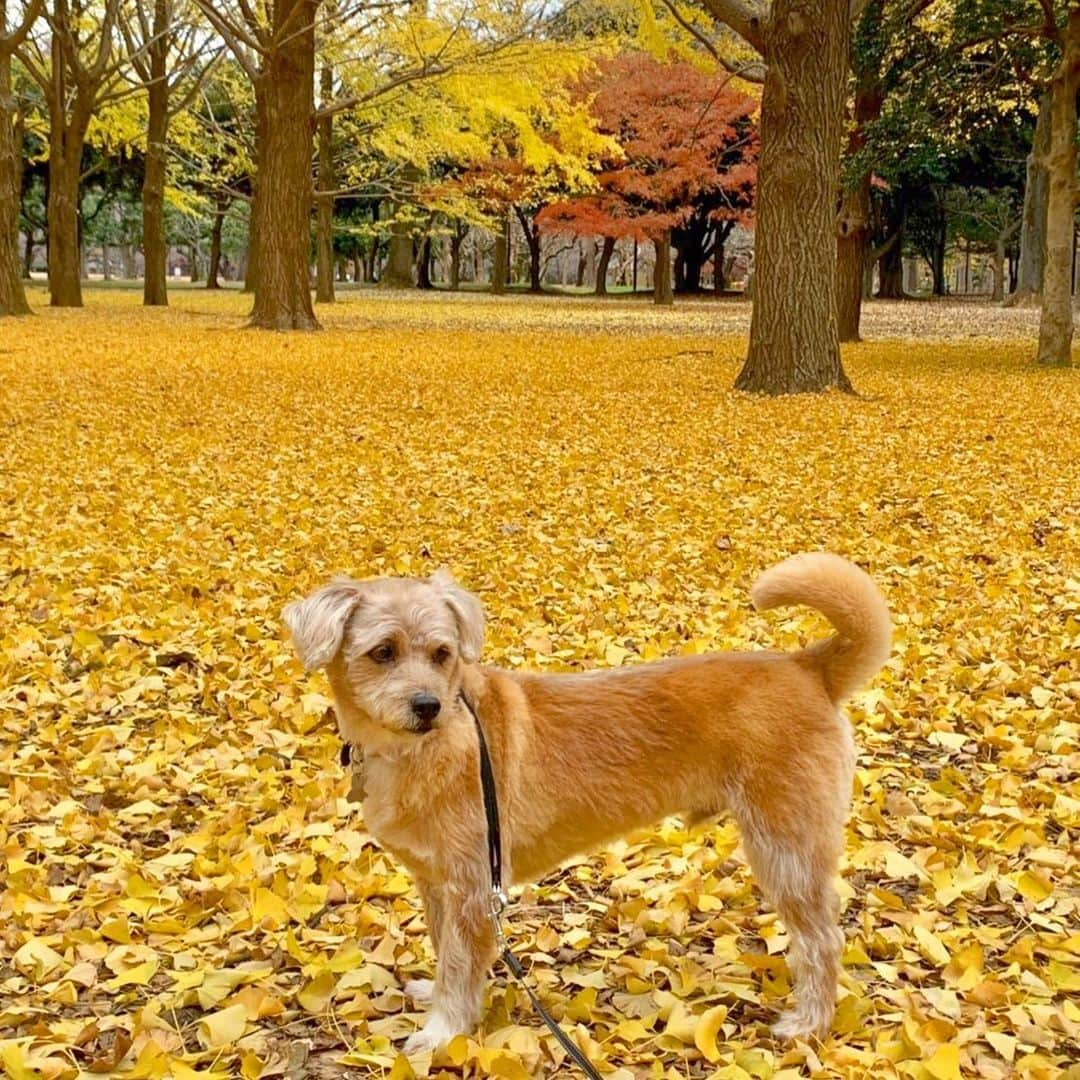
(531, 232)
(1029, 273)
(999, 270)
(65, 285)
(283, 203)
(12, 293)
(457, 238)
(853, 221)
(251, 268)
(423, 265)
(324, 220)
(723, 231)
(69, 119)
(398, 271)
(602, 265)
(891, 270)
(794, 344)
(1056, 322)
(851, 245)
(194, 270)
(692, 264)
(221, 208)
(937, 260)
(155, 292)
(500, 259)
(662, 290)
(28, 255)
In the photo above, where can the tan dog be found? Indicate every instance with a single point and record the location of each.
(582, 759)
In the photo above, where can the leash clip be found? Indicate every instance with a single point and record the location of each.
(497, 903)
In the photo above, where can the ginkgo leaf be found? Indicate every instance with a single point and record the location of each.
(223, 1027)
(707, 1030)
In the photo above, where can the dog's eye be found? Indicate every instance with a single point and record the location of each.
(382, 654)
(441, 655)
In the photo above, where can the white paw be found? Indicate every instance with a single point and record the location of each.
(798, 1025)
(421, 991)
(435, 1033)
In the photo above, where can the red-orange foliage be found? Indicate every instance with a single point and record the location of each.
(689, 148)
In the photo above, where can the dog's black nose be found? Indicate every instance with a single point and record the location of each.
(425, 707)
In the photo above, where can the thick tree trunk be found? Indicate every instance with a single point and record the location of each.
(324, 219)
(794, 344)
(500, 259)
(1029, 274)
(65, 264)
(602, 264)
(12, 293)
(283, 202)
(221, 208)
(851, 245)
(662, 290)
(155, 292)
(398, 271)
(692, 264)
(1056, 322)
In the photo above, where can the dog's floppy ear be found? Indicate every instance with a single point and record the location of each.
(317, 623)
(467, 612)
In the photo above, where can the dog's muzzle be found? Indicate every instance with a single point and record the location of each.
(425, 707)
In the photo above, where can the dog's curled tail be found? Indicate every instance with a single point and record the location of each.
(849, 599)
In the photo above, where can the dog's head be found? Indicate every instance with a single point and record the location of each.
(393, 647)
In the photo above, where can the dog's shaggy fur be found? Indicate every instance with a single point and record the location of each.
(580, 760)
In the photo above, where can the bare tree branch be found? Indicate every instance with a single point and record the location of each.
(236, 37)
(10, 42)
(745, 17)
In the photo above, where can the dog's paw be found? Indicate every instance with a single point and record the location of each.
(421, 991)
(798, 1024)
(435, 1033)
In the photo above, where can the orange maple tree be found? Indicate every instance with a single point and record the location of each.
(689, 159)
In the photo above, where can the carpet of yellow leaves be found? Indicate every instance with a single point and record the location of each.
(185, 891)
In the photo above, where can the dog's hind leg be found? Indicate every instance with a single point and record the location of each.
(793, 841)
(466, 950)
(799, 884)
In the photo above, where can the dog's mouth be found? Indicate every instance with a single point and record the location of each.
(417, 726)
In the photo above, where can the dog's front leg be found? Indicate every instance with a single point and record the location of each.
(466, 950)
(422, 991)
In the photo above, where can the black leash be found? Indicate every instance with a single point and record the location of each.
(499, 899)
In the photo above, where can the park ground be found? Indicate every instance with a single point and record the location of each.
(185, 891)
